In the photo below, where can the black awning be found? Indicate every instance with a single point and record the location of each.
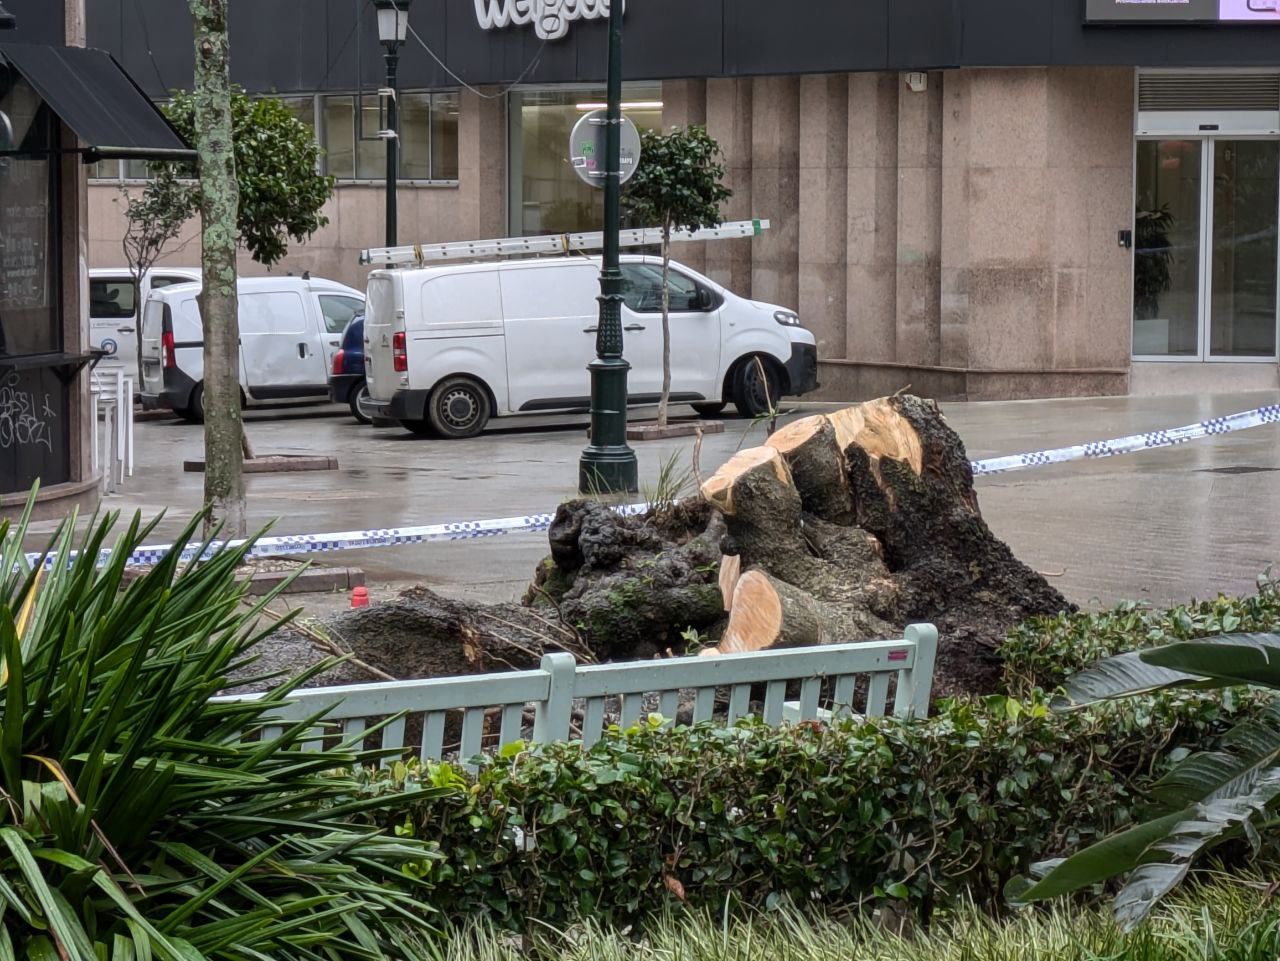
(99, 101)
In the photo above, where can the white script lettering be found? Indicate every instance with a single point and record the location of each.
(550, 18)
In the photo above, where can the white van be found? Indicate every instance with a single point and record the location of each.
(447, 347)
(290, 328)
(113, 308)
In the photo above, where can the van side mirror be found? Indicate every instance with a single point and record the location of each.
(706, 300)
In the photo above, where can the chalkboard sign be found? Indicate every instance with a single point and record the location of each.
(34, 428)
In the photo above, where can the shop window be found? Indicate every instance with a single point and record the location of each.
(546, 195)
(428, 137)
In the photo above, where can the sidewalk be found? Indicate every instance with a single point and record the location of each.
(1162, 525)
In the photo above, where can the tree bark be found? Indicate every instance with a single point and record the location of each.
(224, 491)
(665, 397)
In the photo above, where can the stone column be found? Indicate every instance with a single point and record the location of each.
(917, 318)
(823, 161)
(684, 103)
(729, 120)
(482, 165)
(872, 217)
(775, 188)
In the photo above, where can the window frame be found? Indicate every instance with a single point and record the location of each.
(354, 96)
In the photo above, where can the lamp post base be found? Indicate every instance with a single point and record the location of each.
(608, 464)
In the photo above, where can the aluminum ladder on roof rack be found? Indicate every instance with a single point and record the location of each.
(419, 254)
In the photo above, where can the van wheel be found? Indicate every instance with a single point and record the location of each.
(459, 407)
(751, 396)
(357, 401)
(708, 410)
(194, 411)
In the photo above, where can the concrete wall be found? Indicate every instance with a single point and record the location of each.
(474, 208)
(961, 239)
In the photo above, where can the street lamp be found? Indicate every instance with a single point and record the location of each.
(607, 463)
(393, 25)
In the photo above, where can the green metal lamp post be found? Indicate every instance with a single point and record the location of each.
(393, 26)
(608, 464)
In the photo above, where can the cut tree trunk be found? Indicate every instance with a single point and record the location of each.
(843, 527)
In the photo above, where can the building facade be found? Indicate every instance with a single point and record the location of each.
(979, 198)
(60, 105)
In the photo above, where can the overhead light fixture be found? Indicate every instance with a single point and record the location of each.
(7, 20)
(627, 105)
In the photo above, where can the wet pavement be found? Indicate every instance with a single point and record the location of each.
(1162, 525)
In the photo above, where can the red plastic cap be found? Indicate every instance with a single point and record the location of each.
(360, 597)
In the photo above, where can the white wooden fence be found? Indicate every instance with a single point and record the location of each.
(571, 701)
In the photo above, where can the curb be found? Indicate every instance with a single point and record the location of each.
(317, 580)
(274, 464)
(687, 429)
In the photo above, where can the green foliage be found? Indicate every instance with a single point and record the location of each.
(277, 157)
(141, 820)
(1044, 651)
(1220, 922)
(933, 813)
(679, 184)
(1207, 799)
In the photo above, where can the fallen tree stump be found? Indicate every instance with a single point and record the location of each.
(841, 527)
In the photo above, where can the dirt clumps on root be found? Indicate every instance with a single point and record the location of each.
(842, 527)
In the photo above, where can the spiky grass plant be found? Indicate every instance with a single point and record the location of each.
(140, 819)
(1229, 921)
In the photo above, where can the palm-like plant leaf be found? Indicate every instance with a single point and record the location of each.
(139, 819)
(1208, 798)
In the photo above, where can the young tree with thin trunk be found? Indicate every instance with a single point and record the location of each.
(219, 206)
(678, 186)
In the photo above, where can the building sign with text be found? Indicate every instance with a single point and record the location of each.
(550, 19)
(1183, 11)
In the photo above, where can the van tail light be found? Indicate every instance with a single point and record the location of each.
(399, 356)
(338, 361)
(170, 355)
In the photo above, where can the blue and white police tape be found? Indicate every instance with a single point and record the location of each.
(1151, 440)
(290, 544)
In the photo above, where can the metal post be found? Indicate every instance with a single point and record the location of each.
(608, 464)
(393, 142)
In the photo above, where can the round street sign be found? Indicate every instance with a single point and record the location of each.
(586, 148)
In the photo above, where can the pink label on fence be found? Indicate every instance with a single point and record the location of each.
(898, 655)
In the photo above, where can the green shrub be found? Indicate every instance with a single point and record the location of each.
(1044, 651)
(136, 818)
(935, 812)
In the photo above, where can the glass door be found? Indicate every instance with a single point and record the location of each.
(1206, 256)
(1243, 267)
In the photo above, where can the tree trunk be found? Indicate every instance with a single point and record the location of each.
(666, 324)
(224, 492)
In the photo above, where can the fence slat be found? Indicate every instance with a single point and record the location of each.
(632, 708)
(393, 736)
(556, 709)
(810, 688)
(432, 736)
(314, 740)
(472, 733)
(843, 695)
(592, 721)
(739, 701)
(877, 694)
(511, 727)
(669, 705)
(774, 696)
(352, 727)
(704, 704)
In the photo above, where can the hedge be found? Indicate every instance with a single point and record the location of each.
(935, 812)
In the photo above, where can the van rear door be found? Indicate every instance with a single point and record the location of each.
(153, 329)
(383, 318)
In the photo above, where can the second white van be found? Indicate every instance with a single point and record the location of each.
(290, 328)
(448, 347)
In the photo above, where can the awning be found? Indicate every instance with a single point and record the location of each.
(93, 96)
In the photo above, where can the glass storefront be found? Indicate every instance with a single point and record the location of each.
(1206, 259)
(546, 195)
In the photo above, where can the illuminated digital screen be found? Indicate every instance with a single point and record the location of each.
(1183, 11)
